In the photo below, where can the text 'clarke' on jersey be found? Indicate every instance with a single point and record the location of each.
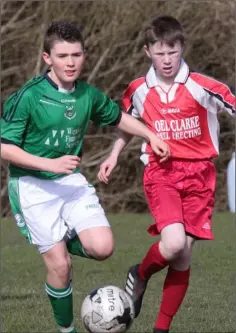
(185, 116)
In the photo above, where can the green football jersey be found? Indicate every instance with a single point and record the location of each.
(46, 122)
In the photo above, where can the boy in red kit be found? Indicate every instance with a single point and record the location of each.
(180, 107)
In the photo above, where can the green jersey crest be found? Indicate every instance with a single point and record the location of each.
(70, 112)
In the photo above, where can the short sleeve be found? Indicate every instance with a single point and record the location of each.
(16, 113)
(104, 110)
(127, 102)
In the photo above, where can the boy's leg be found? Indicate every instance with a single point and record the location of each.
(35, 204)
(84, 214)
(98, 241)
(165, 204)
(160, 255)
(74, 245)
(94, 234)
(168, 222)
(199, 201)
(197, 205)
(58, 287)
(175, 288)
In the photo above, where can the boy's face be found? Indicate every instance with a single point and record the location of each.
(66, 61)
(166, 59)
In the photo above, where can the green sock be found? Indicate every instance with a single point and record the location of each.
(75, 247)
(62, 305)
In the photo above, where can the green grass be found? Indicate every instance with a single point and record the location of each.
(208, 306)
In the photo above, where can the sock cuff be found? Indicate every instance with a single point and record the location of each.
(70, 329)
(58, 293)
(178, 276)
(176, 271)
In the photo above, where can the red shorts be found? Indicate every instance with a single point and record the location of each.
(181, 191)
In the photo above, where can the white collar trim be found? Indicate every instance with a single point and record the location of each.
(181, 77)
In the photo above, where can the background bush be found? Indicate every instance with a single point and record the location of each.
(113, 32)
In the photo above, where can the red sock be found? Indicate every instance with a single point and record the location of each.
(174, 290)
(153, 262)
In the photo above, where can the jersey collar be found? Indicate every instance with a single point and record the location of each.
(181, 77)
(47, 77)
(50, 80)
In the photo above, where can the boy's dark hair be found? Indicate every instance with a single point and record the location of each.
(62, 31)
(164, 29)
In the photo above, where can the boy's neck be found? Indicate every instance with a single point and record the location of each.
(65, 89)
(164, 82)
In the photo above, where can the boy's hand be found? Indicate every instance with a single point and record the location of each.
(159, 147)
(106, 168)
(63, 165)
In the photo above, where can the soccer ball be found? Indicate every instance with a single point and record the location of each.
(107, 309)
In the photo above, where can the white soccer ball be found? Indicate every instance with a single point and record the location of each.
(107, 309)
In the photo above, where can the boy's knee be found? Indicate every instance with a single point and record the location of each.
(98, 242)
(101, 249)
(61, 266)
(174, 248)
(183, 261)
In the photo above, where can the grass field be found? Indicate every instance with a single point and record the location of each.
(208, 306)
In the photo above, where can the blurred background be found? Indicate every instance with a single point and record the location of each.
(113, 34)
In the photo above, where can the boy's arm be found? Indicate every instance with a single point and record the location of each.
(120, 143)
(219, 96)
(130, 125)
(133, 126)
(16, 115)
(110, 163)
(15, 155)
(224, 98)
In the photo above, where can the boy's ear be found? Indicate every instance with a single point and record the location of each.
(147, 51)
(47, 58)
(85, 53)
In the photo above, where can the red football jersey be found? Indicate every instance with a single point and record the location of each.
(185, 116)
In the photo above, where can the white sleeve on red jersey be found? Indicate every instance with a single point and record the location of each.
(219, 93)
(127, 99)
